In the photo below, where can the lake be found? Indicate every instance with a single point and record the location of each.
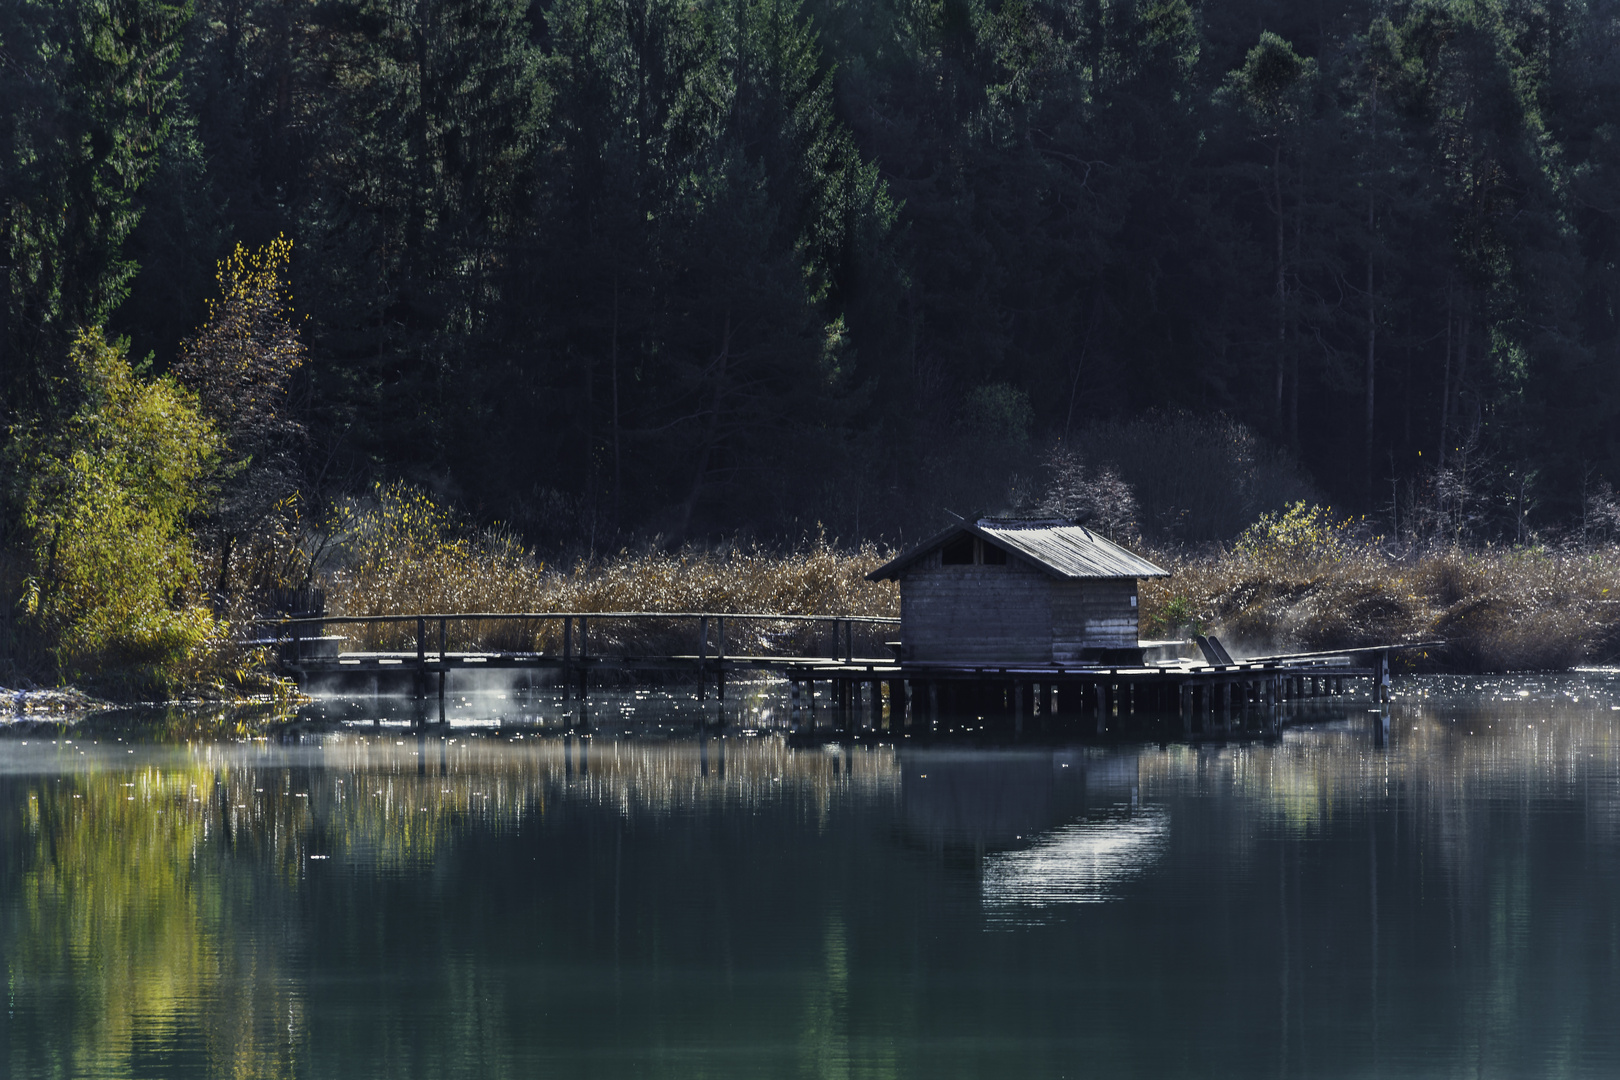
(1431, 892)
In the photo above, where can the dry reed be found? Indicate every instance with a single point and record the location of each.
(1496, 609)
(1295, 581)
(406, 556)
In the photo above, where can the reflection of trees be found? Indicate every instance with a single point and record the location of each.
(121, 932)
(1450, 892)
(401, 903)
(155, 916)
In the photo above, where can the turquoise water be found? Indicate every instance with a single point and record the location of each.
(1434, 894)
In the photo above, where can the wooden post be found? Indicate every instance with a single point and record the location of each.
(720, 658)
(1018, 708)
(1102, 707)
(1186, 708)
(584, 669)
(876, 686)
(835, 649)
(421, 658)
(703, 649)
(849, 641)
(1383, 677)
(933, 703)
(810, 688)
(568, 656)
(1226, 705)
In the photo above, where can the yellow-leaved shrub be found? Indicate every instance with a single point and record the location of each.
(105, 507)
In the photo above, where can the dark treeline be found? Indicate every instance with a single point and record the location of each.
(603, 267)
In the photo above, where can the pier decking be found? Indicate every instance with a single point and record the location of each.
(831, 688)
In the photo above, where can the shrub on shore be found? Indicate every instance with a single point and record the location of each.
(105, 501)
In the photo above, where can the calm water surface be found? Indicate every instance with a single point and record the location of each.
(349, 900)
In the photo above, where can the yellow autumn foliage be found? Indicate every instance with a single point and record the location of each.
(107, 498)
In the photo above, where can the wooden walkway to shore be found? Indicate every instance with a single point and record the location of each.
(310, 654)
(832, 688)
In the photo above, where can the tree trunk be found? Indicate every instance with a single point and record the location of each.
(702, 468)
(618, 470)
(1372, 306)
(1445, 390)
(1282, 282)
(1465, 327)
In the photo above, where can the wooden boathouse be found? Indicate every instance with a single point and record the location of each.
(1003, 590)
(1007, 622)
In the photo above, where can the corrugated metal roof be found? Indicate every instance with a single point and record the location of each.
(1061, 548)
(1071, 551)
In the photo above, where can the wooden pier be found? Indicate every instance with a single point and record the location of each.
(577, 655)
(831, 688)
(1197, 698)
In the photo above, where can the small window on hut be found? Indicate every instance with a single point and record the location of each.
(958, 552)
(994, 556)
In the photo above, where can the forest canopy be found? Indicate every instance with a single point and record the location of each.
(604, 268)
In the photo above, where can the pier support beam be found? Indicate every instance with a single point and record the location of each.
(702, 653)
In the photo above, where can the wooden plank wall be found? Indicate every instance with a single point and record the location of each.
(1014, 613)
(1092, 614)
(976, 613)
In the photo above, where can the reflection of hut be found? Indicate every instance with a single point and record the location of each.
(1018, 591)
(954, 798)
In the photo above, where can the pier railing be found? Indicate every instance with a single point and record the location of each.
(583, 634)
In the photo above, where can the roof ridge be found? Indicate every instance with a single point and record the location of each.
(1029, 523)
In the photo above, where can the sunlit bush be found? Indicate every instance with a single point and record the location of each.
(105, 506)
(1300, 536)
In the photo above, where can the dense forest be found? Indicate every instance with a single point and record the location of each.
(605, 268)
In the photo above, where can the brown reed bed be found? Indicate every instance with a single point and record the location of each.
(406, 557)
(1322, 587)
(1296, 581)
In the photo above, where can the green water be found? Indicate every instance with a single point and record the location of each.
(347, 900)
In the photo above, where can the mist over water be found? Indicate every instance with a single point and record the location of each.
(350, 896)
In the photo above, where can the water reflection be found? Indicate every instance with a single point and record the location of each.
(1432, 898)
(1082, 862)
